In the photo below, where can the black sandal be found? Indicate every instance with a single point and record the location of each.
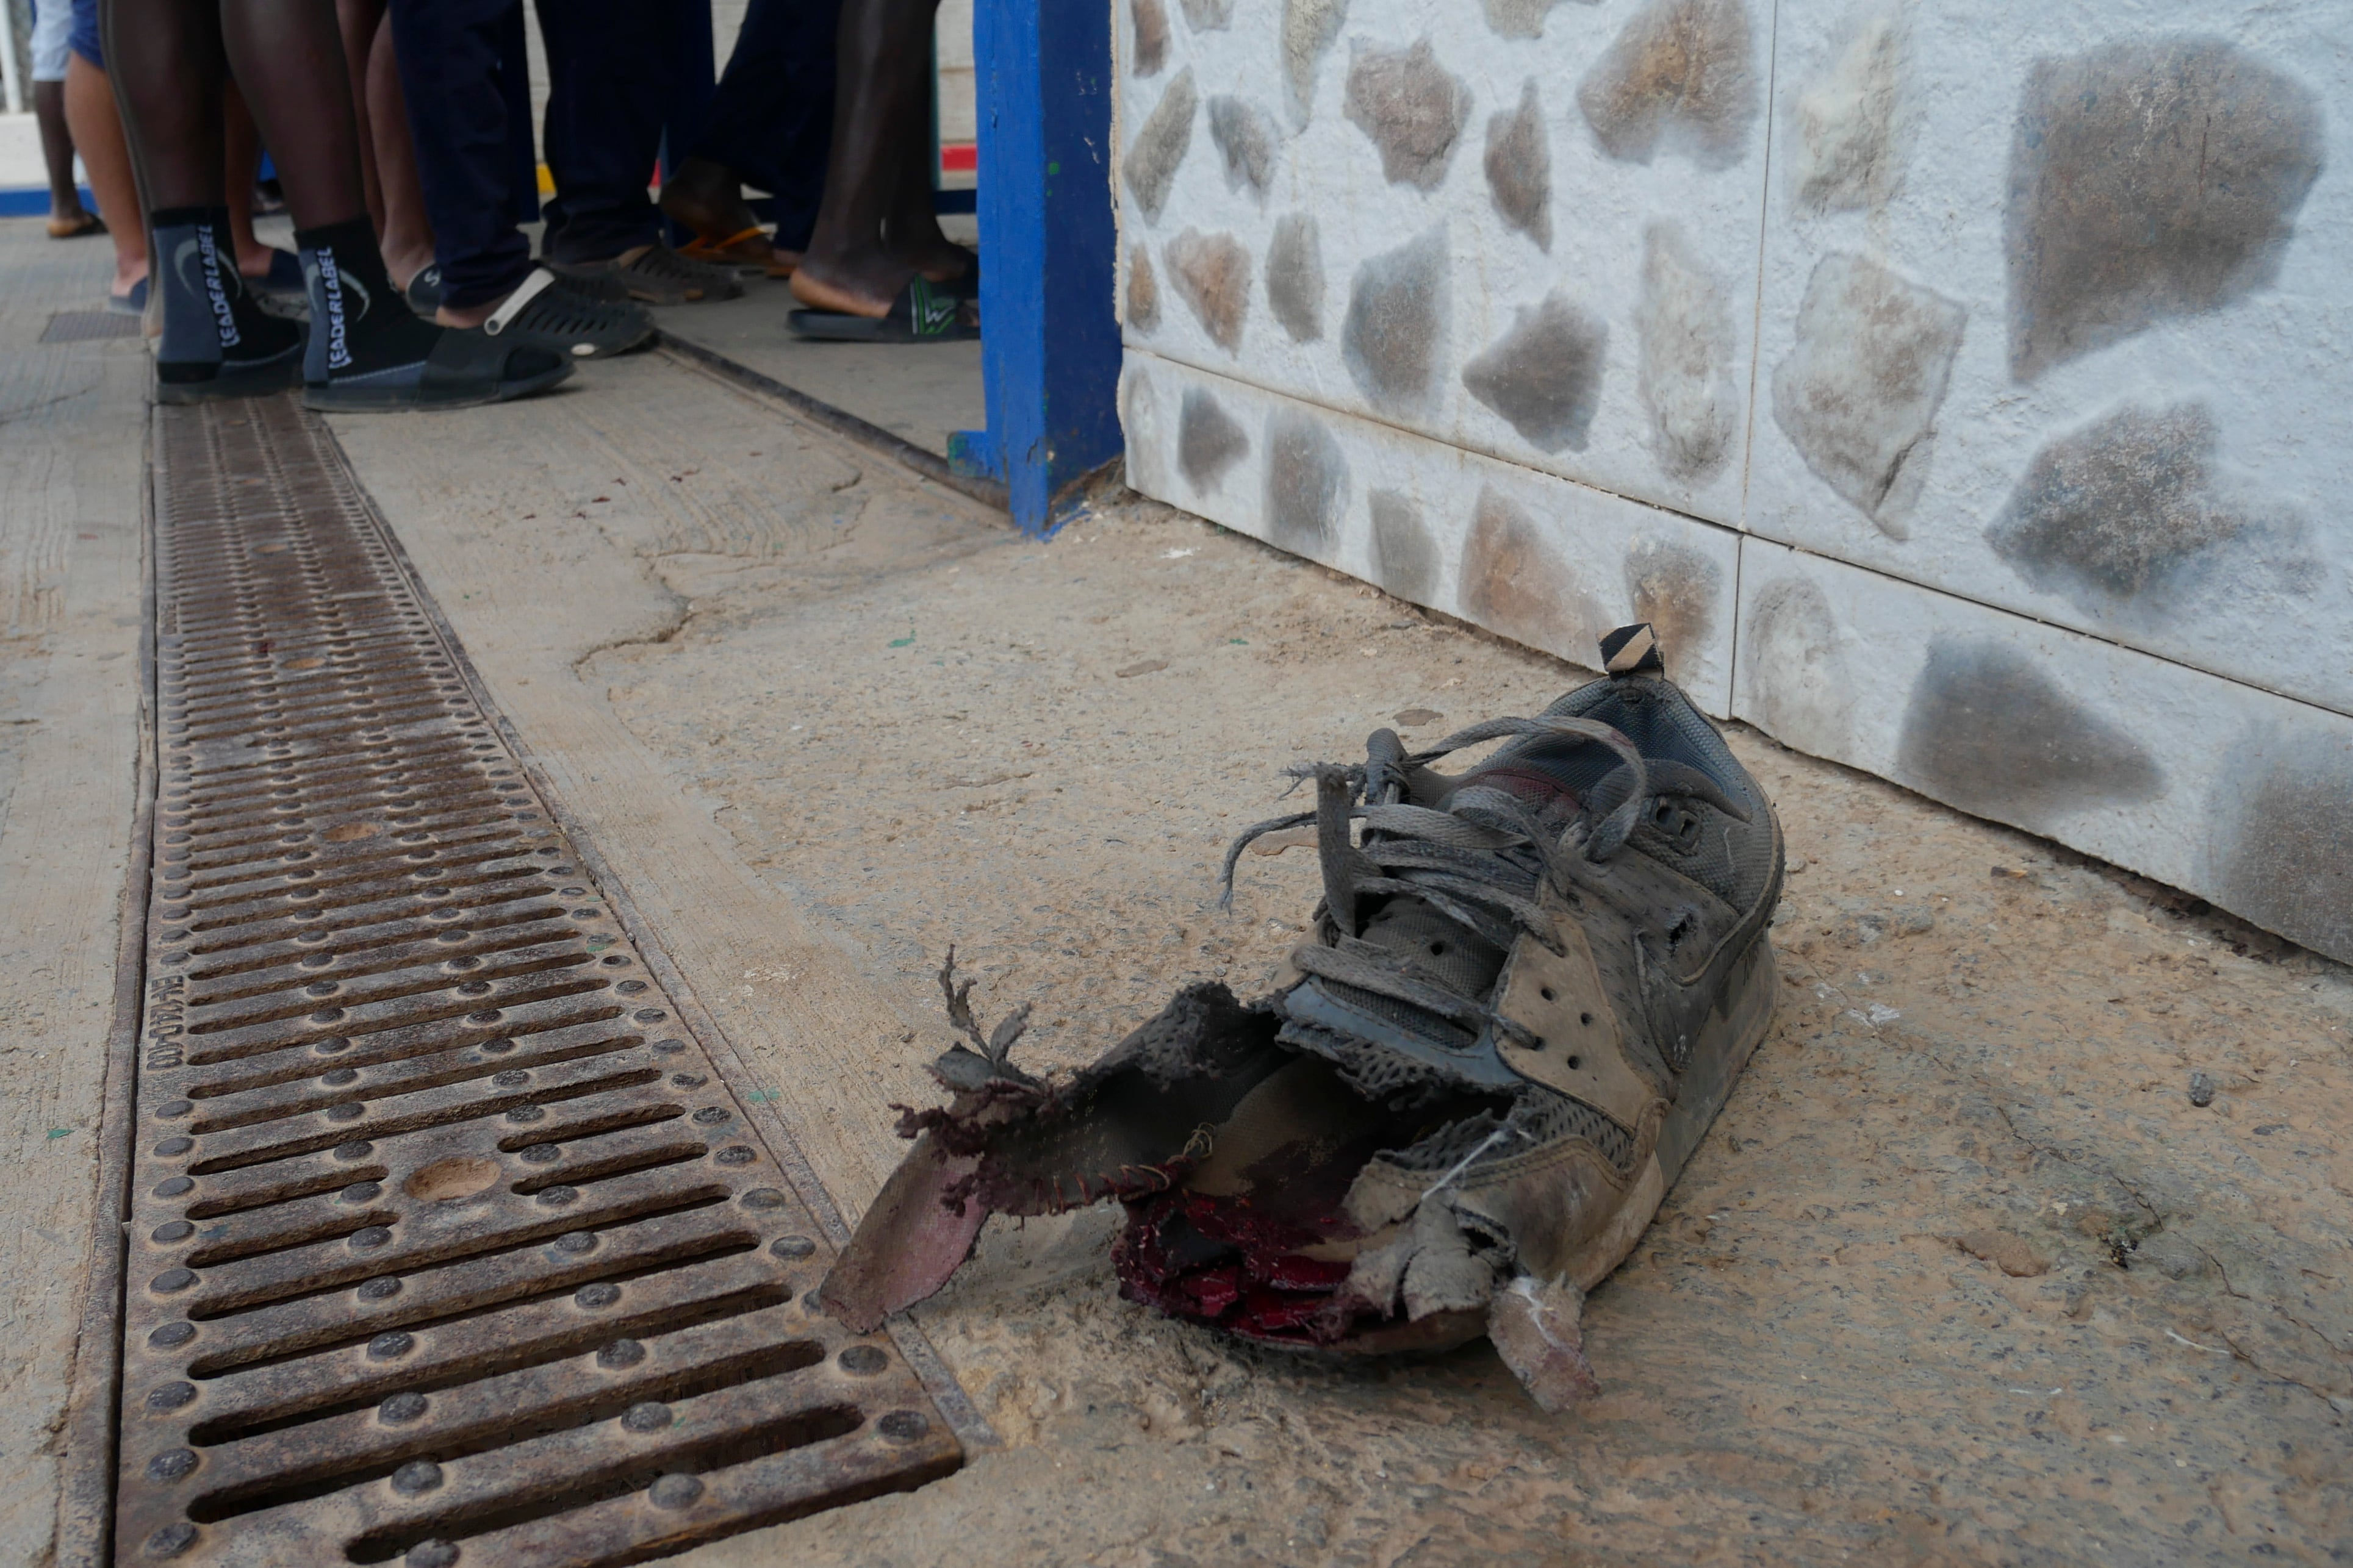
(467, 367)
(924, 312)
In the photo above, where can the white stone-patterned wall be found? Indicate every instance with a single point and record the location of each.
(1964, 390)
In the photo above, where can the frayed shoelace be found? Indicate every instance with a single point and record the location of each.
(1484, 861)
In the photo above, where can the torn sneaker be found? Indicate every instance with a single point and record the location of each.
(1529, 989)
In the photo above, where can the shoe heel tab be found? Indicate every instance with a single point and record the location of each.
(1632, 650)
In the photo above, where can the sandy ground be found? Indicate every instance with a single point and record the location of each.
(1961, 1274)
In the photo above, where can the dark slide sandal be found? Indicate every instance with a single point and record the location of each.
(924, 312)
(466, 368)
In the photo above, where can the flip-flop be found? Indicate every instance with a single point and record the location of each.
(749, 251)
(74, 228)
(135, 303)
(924, 312)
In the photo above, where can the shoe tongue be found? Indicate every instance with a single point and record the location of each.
(1546, 794)
(1463, 961)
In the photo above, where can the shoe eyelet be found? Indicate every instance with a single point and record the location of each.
(1575, 1062)
(1545, 992)
(1585, 1019)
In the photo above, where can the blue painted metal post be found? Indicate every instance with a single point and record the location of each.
(1049, 336)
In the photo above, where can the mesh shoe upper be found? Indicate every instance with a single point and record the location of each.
(1620, 799)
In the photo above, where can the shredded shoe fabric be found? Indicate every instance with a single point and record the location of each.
(656, 275)
(1528, 990)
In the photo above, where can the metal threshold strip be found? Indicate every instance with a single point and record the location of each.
(448, 1244)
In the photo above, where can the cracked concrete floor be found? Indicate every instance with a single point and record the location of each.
(1962, 1275)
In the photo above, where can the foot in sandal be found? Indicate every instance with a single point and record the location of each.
(922, 312)
(368, 350)
(708, 199)
(218, 340)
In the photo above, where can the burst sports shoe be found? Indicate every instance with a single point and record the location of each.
(1528, 991)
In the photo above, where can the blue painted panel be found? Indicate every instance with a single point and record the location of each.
(1050, 336)
(33, 201)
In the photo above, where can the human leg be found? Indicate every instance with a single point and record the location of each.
(52, 47)
(366, 349)
(604, 125)
(910, 230)
(241, 168)
(771, 126)
(173, 75)
(883, 60)
(355, 24)
(406, 231)
(97, 127)
(447, 56)
(608, 91)
(67, 216)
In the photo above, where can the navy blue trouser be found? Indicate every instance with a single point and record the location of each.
(468, 112)
(772, 121)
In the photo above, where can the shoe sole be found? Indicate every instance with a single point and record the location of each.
(583, 348)
(619, 287)
(259, 383)
(401, 400)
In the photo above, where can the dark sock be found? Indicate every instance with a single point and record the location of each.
(360, 326)
(211, 325)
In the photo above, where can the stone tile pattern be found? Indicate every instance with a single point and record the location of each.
(1530, 320)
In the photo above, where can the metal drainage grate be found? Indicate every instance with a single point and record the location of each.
(86, 326)
(449, 1246)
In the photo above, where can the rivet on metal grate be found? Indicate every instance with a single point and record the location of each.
(450, 1245)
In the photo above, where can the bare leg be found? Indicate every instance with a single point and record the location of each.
(882, 102)
(57, 154)
(241, 167)
(910, 230)
(97, 134)
(406, 231)
(366, 348)
(356, 22)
